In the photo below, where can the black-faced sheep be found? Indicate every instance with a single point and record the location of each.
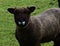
(33, 30)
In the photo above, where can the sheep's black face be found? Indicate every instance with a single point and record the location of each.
(21, 15)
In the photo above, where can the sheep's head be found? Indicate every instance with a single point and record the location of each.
(21, 15)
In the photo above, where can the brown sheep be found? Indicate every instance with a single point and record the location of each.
(33, 30)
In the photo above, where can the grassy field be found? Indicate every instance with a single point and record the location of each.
(7, 25)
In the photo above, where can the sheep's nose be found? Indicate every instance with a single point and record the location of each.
(21, 21)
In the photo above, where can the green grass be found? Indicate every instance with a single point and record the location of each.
(7, 25)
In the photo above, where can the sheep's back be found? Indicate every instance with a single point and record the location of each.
(48, 23)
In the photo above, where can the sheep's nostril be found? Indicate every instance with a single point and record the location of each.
(23, 22)
(19, 23)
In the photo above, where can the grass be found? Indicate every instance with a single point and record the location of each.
(7, 25)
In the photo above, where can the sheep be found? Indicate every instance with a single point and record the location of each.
(34, 30)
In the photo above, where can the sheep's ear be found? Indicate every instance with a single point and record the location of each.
(31, 9)
(11, 10)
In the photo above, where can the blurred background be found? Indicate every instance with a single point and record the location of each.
(7, 25)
